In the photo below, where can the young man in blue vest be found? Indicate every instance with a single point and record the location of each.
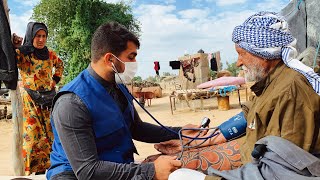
(94, 120)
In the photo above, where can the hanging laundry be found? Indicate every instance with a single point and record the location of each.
(188, 67)
(8, 67)
(156, 67)
(213, 63)
(175, 64)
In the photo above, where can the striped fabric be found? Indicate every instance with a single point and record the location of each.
(267, 35)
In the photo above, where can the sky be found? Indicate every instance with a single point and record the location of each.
(172, 28)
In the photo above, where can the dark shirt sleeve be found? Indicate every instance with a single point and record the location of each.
(150, 133)
(74, 127)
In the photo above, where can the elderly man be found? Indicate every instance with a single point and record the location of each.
(286, 105)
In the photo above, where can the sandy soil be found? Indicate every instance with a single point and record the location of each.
(160, 109)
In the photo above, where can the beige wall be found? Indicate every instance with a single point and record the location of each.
(201, 71)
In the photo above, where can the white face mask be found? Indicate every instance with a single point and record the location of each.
(130, 69)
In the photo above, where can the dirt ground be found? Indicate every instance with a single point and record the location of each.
(160, 109)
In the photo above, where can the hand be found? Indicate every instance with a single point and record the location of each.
(169, 147)
(174, 146)
(192, 133)
(165, 165)
(151, 158)
(16, 40)
(218, 139)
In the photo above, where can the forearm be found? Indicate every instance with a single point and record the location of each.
(224, 156)
(103, 170)
(217, 139)
(151, 133)
(231, 129)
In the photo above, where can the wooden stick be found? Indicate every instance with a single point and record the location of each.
(16, 104)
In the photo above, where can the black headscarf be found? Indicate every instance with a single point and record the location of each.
(28, 48)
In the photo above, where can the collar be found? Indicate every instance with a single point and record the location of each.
(104, 83)
(260, 86)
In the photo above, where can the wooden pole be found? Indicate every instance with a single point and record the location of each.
(16, 104)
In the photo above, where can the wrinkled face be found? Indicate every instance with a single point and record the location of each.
(254, 67)
(40, 39)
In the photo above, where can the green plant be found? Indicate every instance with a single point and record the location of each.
(232, 67)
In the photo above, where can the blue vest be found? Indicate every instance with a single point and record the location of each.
(110, 125)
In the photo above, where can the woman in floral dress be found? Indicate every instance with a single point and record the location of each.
(40, 70)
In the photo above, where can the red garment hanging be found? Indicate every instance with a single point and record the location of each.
(156, 67)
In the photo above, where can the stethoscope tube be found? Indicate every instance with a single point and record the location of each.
(170, 130)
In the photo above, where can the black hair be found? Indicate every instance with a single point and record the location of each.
(111, 37)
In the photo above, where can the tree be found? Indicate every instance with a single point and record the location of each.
(71, 24)
(166, 74)
(213, 74)
(233, 68)
(151, 79)
(137, 79)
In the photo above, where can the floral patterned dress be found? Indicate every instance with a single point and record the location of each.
(37, 133)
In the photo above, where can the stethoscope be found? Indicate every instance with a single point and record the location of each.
(204, 124)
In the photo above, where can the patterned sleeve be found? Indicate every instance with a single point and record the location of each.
(58, 64)
(20, 58)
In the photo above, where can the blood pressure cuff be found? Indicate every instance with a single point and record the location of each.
(234, 127)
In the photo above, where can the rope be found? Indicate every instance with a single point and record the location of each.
(298, 5)
(294, 10)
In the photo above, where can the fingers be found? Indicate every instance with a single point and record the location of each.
(164, 165)
(204, 132)
(173, 160)
(161, 148)
(157, 147)
(168, 147)
(171, 157)
(176, 163)
(151, 158)
(16, 40)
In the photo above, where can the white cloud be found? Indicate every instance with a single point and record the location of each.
(27, 2)
(200, 3)
(166, 36)
(169, 1)
(271, 5)
(167, 33)
(194, 13)
(229, 2)
(18, 24)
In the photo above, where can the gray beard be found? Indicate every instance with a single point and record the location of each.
(254, 74)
